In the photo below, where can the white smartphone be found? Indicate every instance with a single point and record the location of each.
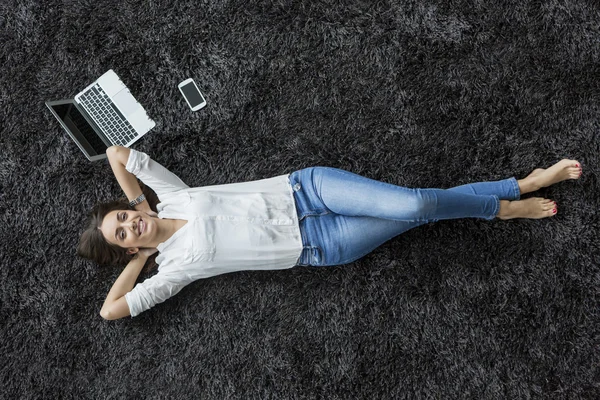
(192, 94)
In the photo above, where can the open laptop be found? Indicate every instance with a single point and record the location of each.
(104, 114)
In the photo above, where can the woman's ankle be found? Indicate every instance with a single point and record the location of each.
(505, 210)
(528, 185)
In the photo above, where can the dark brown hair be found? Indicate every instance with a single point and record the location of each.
(92, 244)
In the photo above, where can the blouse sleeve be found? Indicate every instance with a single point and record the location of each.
(160, 179)
(153, 291)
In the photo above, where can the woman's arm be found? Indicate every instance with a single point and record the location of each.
(118, 156)
(115, 306)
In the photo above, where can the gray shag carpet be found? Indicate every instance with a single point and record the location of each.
(419, 93)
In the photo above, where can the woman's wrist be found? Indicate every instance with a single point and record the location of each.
(143, 206)
(146, 252)
(138, 260)
(138, 200)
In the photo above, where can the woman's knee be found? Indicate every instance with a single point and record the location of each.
(424, 204)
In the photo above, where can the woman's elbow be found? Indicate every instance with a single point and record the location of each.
(118, 153)
(110, 315)
(112, 151)
(115, 309)
(107, 315)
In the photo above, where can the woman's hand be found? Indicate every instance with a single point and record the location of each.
(151, 213)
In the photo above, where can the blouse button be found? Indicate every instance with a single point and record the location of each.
(297, 187)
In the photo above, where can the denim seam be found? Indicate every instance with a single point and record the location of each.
(516, 188)
(303, 237)
(497, 207)
(315, 213)
(315, 191)
(349, 260)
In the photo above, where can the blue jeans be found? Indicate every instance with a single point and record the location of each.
(344, 216)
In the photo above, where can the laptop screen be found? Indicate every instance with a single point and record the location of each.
(80, 128)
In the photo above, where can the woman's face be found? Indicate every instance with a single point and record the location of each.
(129, 229)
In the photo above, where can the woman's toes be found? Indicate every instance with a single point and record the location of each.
(576, 168)
(548, 205)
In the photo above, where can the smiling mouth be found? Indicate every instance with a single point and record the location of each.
(141, 226)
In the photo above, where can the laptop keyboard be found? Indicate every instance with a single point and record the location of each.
(108, 117)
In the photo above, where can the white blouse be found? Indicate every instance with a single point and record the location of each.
(233, 227)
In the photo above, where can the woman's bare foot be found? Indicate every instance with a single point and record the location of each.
(535, 172)
(534, 208)
(539, 178)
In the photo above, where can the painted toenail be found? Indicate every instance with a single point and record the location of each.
(577, 165)
(554, 211)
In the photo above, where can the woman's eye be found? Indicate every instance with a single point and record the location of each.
(122, 234)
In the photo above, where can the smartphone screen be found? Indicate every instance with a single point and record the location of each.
(192, 94)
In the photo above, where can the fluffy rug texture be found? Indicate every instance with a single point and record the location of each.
(419, 93)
